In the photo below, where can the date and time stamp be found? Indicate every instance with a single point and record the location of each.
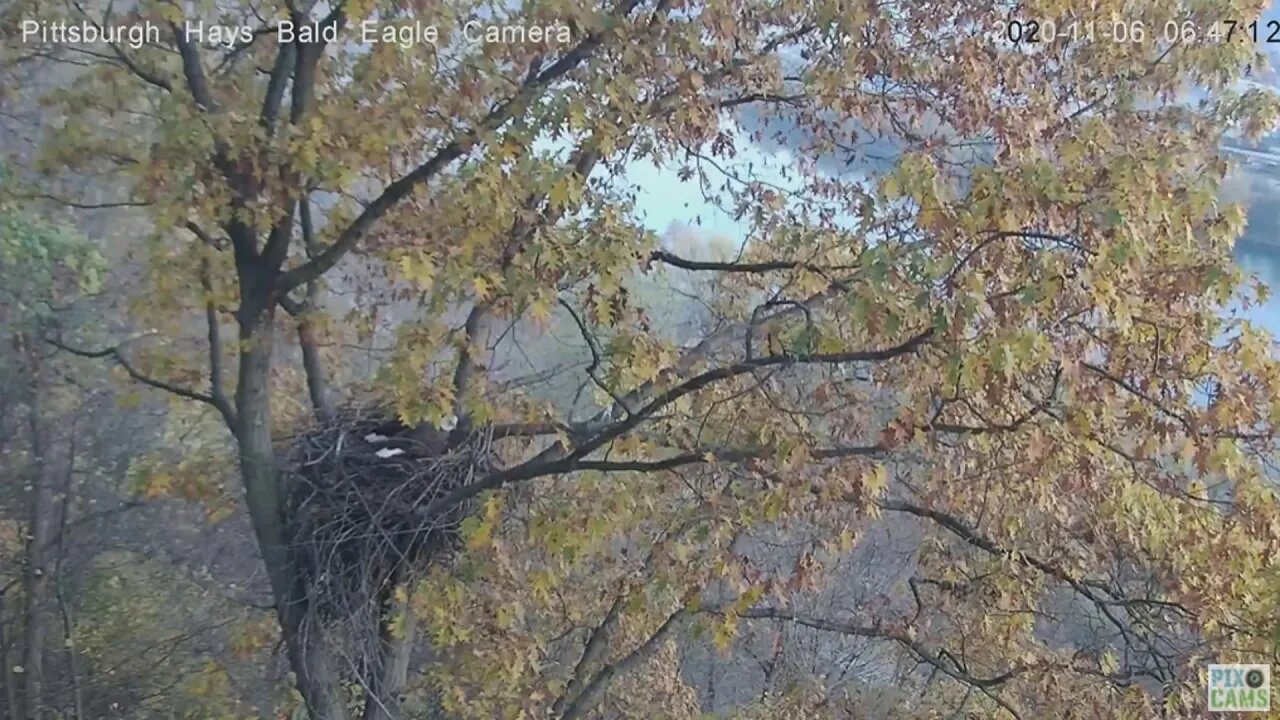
(1038, 31)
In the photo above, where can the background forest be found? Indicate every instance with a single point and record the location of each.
(751, 359)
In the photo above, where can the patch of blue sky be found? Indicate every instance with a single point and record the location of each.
(666, 202)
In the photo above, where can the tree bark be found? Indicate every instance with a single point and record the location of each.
(64, 607)
(317, 680)
(40, 522)
(317, 382)
(7, 657)
(595, 689)
(391, 666)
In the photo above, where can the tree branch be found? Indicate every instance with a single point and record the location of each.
(392, 194)
(582, 162)
(217, 392)
(572, 459)
(197, 82)
(950, 668)
(731, 334)
(273, 99)
(749, 98)
(591, 653)
(114, 352)
(591, 694)
(713, 455)
(593, 348)
(312, 363)
(146, 76)
(741, 267)
(1089, 589)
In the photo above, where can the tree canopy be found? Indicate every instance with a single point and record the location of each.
(982, 305)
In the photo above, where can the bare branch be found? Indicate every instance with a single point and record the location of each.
(114, 352)
(146, 76)
(713, 455)
(83, 205)
(592, 346)
(935, 659)
(750, 98)
(742, 267)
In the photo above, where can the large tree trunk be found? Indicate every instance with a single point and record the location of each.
(317, 679)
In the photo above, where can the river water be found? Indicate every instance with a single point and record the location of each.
(1262, 260)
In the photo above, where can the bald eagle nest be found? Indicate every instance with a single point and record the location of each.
(357, 486)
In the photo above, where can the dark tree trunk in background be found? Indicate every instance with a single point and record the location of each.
(8, 657)
(64, 605)
(40, 529)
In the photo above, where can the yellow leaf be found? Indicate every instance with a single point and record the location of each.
(158, 485)
(890, 187)
(540, 310)
(875, 482)
(559, 194)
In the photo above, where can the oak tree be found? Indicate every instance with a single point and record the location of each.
(983, 287)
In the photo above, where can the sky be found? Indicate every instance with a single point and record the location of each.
(664, 200)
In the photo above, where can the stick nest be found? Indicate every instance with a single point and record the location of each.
(357, 487)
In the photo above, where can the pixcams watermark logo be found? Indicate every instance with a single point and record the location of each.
(1239, 688)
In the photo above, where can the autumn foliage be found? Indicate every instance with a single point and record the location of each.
(969, 398)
